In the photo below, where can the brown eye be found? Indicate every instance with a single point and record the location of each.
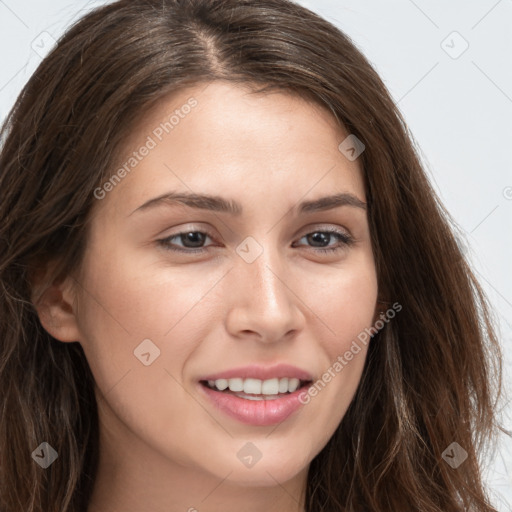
(321, 239)
(189, 239)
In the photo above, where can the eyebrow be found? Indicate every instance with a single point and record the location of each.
(219, 204)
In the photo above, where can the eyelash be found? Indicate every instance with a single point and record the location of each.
(345, 239)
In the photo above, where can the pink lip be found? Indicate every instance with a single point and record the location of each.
(255, 412)
(261, 372)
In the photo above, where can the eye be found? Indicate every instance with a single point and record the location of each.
(190, 239)
(324, 236)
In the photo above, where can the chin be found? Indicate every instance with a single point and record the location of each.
(268, 471)
(269, 475)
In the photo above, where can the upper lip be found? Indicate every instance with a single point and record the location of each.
(262, 372)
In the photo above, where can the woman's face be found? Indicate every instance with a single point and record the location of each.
(276, 286)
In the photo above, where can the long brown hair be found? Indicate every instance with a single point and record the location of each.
(432, 375)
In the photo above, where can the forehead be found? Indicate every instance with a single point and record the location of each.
(213, 137)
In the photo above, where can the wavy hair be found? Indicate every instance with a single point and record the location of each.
(432, 376)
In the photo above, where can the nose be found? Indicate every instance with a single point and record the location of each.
(263, 304)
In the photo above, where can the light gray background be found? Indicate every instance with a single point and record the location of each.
(456, 101)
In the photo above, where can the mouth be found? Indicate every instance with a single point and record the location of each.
(256, 402)
(257, 389)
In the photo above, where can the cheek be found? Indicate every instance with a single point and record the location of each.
(125, 300)
(346, 304)
(346, 309)
(131, 293)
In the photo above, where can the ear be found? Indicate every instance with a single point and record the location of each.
(380, 307)
(55, 303)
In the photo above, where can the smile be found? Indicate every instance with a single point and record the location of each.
(257, 401)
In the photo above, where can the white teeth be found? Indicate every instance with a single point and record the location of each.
(251, 386)
(270, 387)
(221, 384)
(236, 384)
(293, 384)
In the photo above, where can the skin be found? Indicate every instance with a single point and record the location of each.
(163, 446)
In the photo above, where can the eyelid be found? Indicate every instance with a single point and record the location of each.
(313, 228)
(191, 228)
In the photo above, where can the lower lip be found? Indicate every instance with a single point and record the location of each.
(255, 412)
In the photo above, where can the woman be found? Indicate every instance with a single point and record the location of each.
(321, 346)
